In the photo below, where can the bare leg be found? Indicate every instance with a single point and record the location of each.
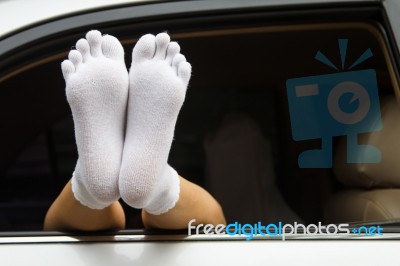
(194, 203)
(66, 213)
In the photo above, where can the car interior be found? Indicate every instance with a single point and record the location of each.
(234, 134)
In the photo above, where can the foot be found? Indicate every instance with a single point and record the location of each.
(97, 92)
(159, 76)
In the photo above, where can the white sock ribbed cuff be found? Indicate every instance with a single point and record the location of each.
(166, 195)
(84, 197)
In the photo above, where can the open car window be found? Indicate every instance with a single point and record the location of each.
(289, 116)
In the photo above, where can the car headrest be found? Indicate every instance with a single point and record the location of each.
(386, 173)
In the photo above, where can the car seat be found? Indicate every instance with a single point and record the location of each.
(371, 190)
(240, 173)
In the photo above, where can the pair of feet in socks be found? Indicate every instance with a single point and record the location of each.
(124, 122)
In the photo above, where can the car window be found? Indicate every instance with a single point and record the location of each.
(283, 121)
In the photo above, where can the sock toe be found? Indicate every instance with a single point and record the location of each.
(75, 57)
(83, 47)
(67, 68)
(144, 49)
(112, 48)
(162, 42)
(184, 72)
(94, 38)
(172, 50)
(176, 61)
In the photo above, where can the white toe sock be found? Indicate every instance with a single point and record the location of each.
(158, 80)
(97, 91)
